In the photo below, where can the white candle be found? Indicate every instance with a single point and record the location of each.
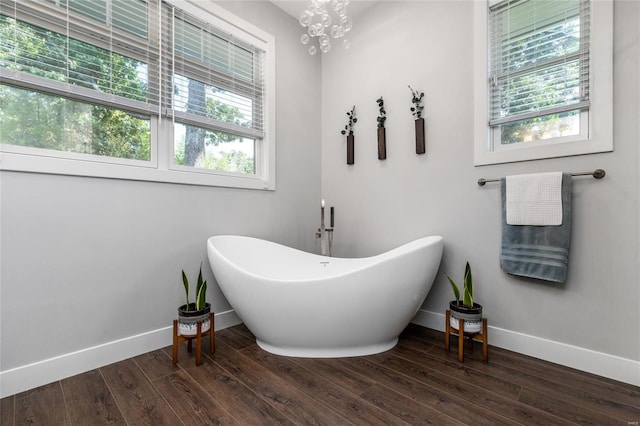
(322, 203)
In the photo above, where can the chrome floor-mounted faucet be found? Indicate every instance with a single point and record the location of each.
(325, 234)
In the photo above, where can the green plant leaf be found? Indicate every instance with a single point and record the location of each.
(456, 291)
(202, 296)
(185, 281)
(200, 281)
(201, 290)
(468, 298)
(468, 286)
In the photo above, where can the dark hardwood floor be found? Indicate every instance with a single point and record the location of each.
(417, 382)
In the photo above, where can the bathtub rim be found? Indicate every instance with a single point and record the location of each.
(435, 238)
(365, 262)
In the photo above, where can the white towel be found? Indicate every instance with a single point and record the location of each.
(534, 199)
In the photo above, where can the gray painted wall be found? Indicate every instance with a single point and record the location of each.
(87, 261)
(381, 204)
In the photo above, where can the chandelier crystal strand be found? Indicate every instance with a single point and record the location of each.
(320, 25)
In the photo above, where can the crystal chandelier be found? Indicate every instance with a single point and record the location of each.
(319, 23)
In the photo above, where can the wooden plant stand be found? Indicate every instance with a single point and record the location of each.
(471, 336)
(177, 338)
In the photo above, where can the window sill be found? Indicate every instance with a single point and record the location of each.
(483, 156)
(10, 161)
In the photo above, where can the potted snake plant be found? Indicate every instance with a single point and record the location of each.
(466, 308)
(191, 313)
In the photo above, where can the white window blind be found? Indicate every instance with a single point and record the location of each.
(104, 52)
(539, 59)
(216, 80)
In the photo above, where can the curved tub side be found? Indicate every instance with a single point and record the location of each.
(387, 295)
(356, 313)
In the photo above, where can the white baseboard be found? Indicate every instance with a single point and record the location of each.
(606, 365)
(40, 373)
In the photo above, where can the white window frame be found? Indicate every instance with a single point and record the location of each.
(159, 169)
(600, 113)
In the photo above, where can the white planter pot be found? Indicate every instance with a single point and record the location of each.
(188, 320)
(472, 317)
(470, 326)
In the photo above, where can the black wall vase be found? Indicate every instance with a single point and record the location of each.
(382, 144)
(350, 148)
(420, 144)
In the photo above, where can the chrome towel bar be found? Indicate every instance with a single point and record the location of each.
(598, 174)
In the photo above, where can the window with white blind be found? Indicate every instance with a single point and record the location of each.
(546, 80)
(140, 89)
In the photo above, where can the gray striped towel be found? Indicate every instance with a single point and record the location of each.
(533, 251)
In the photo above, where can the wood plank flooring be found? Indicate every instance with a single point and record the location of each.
(415, 383)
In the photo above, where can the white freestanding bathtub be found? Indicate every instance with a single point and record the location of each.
(305, 305)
